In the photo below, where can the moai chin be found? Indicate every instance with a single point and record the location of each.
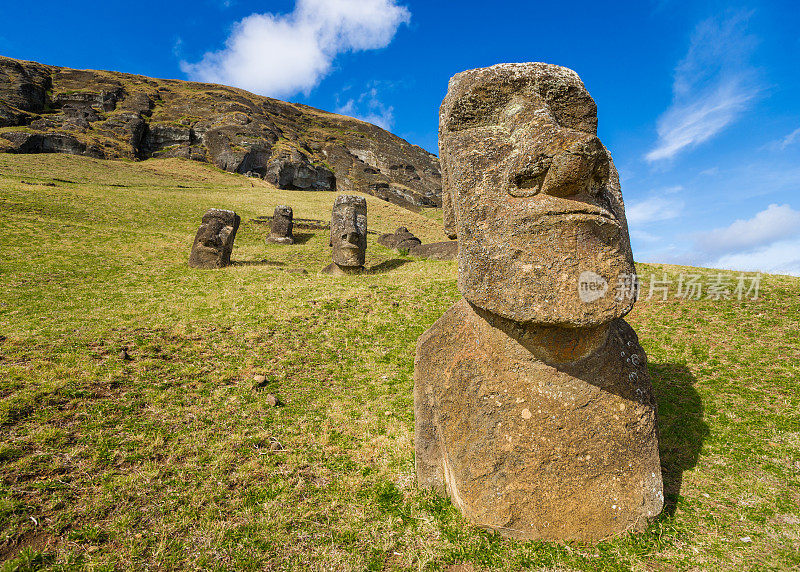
(348, 235)
(282, 225)
(213, 242)
(533, 405)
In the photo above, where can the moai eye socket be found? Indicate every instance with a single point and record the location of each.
(476, 109)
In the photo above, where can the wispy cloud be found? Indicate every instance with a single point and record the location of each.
(713, 85)
(784, 142)
(644, 236)
(368, 107)
(177, 47)
(280, 55)
(653, 209)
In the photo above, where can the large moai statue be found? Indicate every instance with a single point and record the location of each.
(282, 225)
(533, 406)
(348, 235)
(213, 242)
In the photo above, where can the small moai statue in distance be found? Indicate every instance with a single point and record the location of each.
(402, 238)
(281, 228)
(213, 242)
(348, 235)
(533, 406)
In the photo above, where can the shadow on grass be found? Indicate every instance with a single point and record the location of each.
(388, 265)
(680, 424)
(256, 263)
(302, 237)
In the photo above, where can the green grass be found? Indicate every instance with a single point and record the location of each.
(166, 461)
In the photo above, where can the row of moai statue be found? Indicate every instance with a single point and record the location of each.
(533, 406)
(213, 242)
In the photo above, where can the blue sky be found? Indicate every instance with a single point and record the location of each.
(699, 102)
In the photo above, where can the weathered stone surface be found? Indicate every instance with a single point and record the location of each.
(348, 235)
(533, 407)
(49, 143)
(213, 242)
(281, 227)
(402, 238)
(536, 198)
(436, 250)
(531, 437)
(295, 171)
(115, 115)
(23, 91)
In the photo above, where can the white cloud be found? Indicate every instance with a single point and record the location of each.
(773, 224)
(713, 85)
(177, 47)
(653, 209)
(279, 55)
(782, 144)
(710, 172)
(369, 108)
(767, 242)
(782, 257)
(644, 236)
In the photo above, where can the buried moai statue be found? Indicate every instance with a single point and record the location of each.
(281, 228)
(401, 239)
(213, 242)
(533, 407)
(348, 235)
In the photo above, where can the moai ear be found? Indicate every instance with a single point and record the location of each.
(448, 205)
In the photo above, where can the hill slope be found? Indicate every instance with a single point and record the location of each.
(113, 115)
(169, 460)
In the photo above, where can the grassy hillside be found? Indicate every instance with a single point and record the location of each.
(170, 460)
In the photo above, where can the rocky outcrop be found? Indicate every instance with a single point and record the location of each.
(293, 170)
(114, 115)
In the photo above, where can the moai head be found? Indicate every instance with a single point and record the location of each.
(405, 239)
(281, 229)
(349, 231)
(213, 242)
(533, 197)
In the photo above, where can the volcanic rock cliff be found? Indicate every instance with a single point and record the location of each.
(110, 115)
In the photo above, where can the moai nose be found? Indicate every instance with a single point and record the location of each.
(576, 168)
(350, 237)
(350, 231)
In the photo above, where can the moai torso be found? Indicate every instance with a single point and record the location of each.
(533, 406)
(213, 242)
(282, 225)
(348, 235)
